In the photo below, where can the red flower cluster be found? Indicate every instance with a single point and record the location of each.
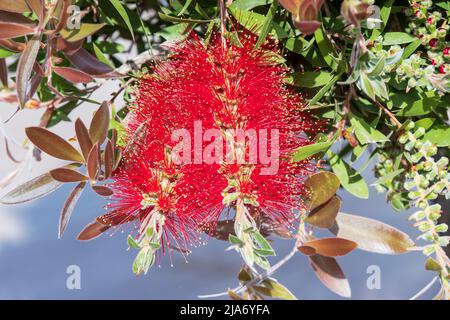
(226, 88)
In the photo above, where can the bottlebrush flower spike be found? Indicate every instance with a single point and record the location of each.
(184, 163)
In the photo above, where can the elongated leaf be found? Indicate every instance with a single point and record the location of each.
(307, 151)
(366, 133)
(108, 159)
(92, 162)
(100, 123)
(325, 215)
(87, 63)
(267, 26)
(13, 30)
(371, 235)
(25, 67)
(19, 6)
(323, 186)
(123, 13)
(85, 30)
(73, 75)
(103, 191)
(69, 206)
(3, 73)
(328, 247)
(37, 6)
(310, 79)
(84, 140)
(439, 135)
(166, 17)
(326, 48)
(52, 144)
(92, 230)
(331, 275)
(67, 175)
(393, 38)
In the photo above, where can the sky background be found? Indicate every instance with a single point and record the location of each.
(33, 262)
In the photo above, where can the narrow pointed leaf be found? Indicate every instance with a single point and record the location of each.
(3, 73)
(25, 67)
(73, 75)
(69, 206)
(52, 144)
(103, 191)
(84, 140)
(331, 275)
(19, 6)
(13, 30)
(92, 162)
(274, 289)
(100, 123)
(108, 159)
(92, 230)
(123, 13)
(371, 235)
(87, 63)
(85, 30)
(67, 175)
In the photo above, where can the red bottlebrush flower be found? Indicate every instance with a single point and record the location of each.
(209, 87)
(442, 68)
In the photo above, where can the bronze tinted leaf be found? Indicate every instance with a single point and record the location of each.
(25, 67)
(331, 275)
(323, 186)
(92, 230)
(92, 162)
(37, 6)
(328, 247)
(17, 18)
(73, 75)
(13, 30)
(63, 14)
(3, 73)
(109, 159)
(103, 191)
(84, 140)
(324, 216)
(221, 230)
(86, 62)
(67, 175)
(52, 144)
(371, 235)
(67, 47)
(100, 123)
(68, 207)
(19, 6)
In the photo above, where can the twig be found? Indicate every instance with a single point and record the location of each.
(138, 61)
(389, 113)
(425, 289)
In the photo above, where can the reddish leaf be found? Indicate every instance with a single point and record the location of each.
(92, 230)
(3, 73)
(13, 30)
(86, 62)
(331, 275)
(103, 191)
(84, 140)
(109, 159)
(100, 123)
(73, 75)
(92, 162)
(37, 6)
(68, 47)
(52, 144)
(325, 215)
(63, 14)
(68, 207)
(328, 247)
(12, 45)
(67, 175)
(24, 68)
(17, 18)
(371, 235)
(19, 6)
(115, 218)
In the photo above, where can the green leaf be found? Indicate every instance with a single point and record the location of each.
(413, 103)
(247, 5)
(352, 181)
(123, 13)
(384, 17)
(392, 38)
(366, 85)
(101, 57)
(267, 26)
(439, 135)
(425, 123)
(323, 187)
(326, 47)
(310, 150)
(5, 53)
(319, 95)
(235, 240)
(364, 132)
(85, 30)
(411, 48)
(272, 288)
(309, 79)
(132, 243)
(166, 17)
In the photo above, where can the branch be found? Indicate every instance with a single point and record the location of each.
(139, 60)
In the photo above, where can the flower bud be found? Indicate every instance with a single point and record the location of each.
(356, 10)
(305, 16)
